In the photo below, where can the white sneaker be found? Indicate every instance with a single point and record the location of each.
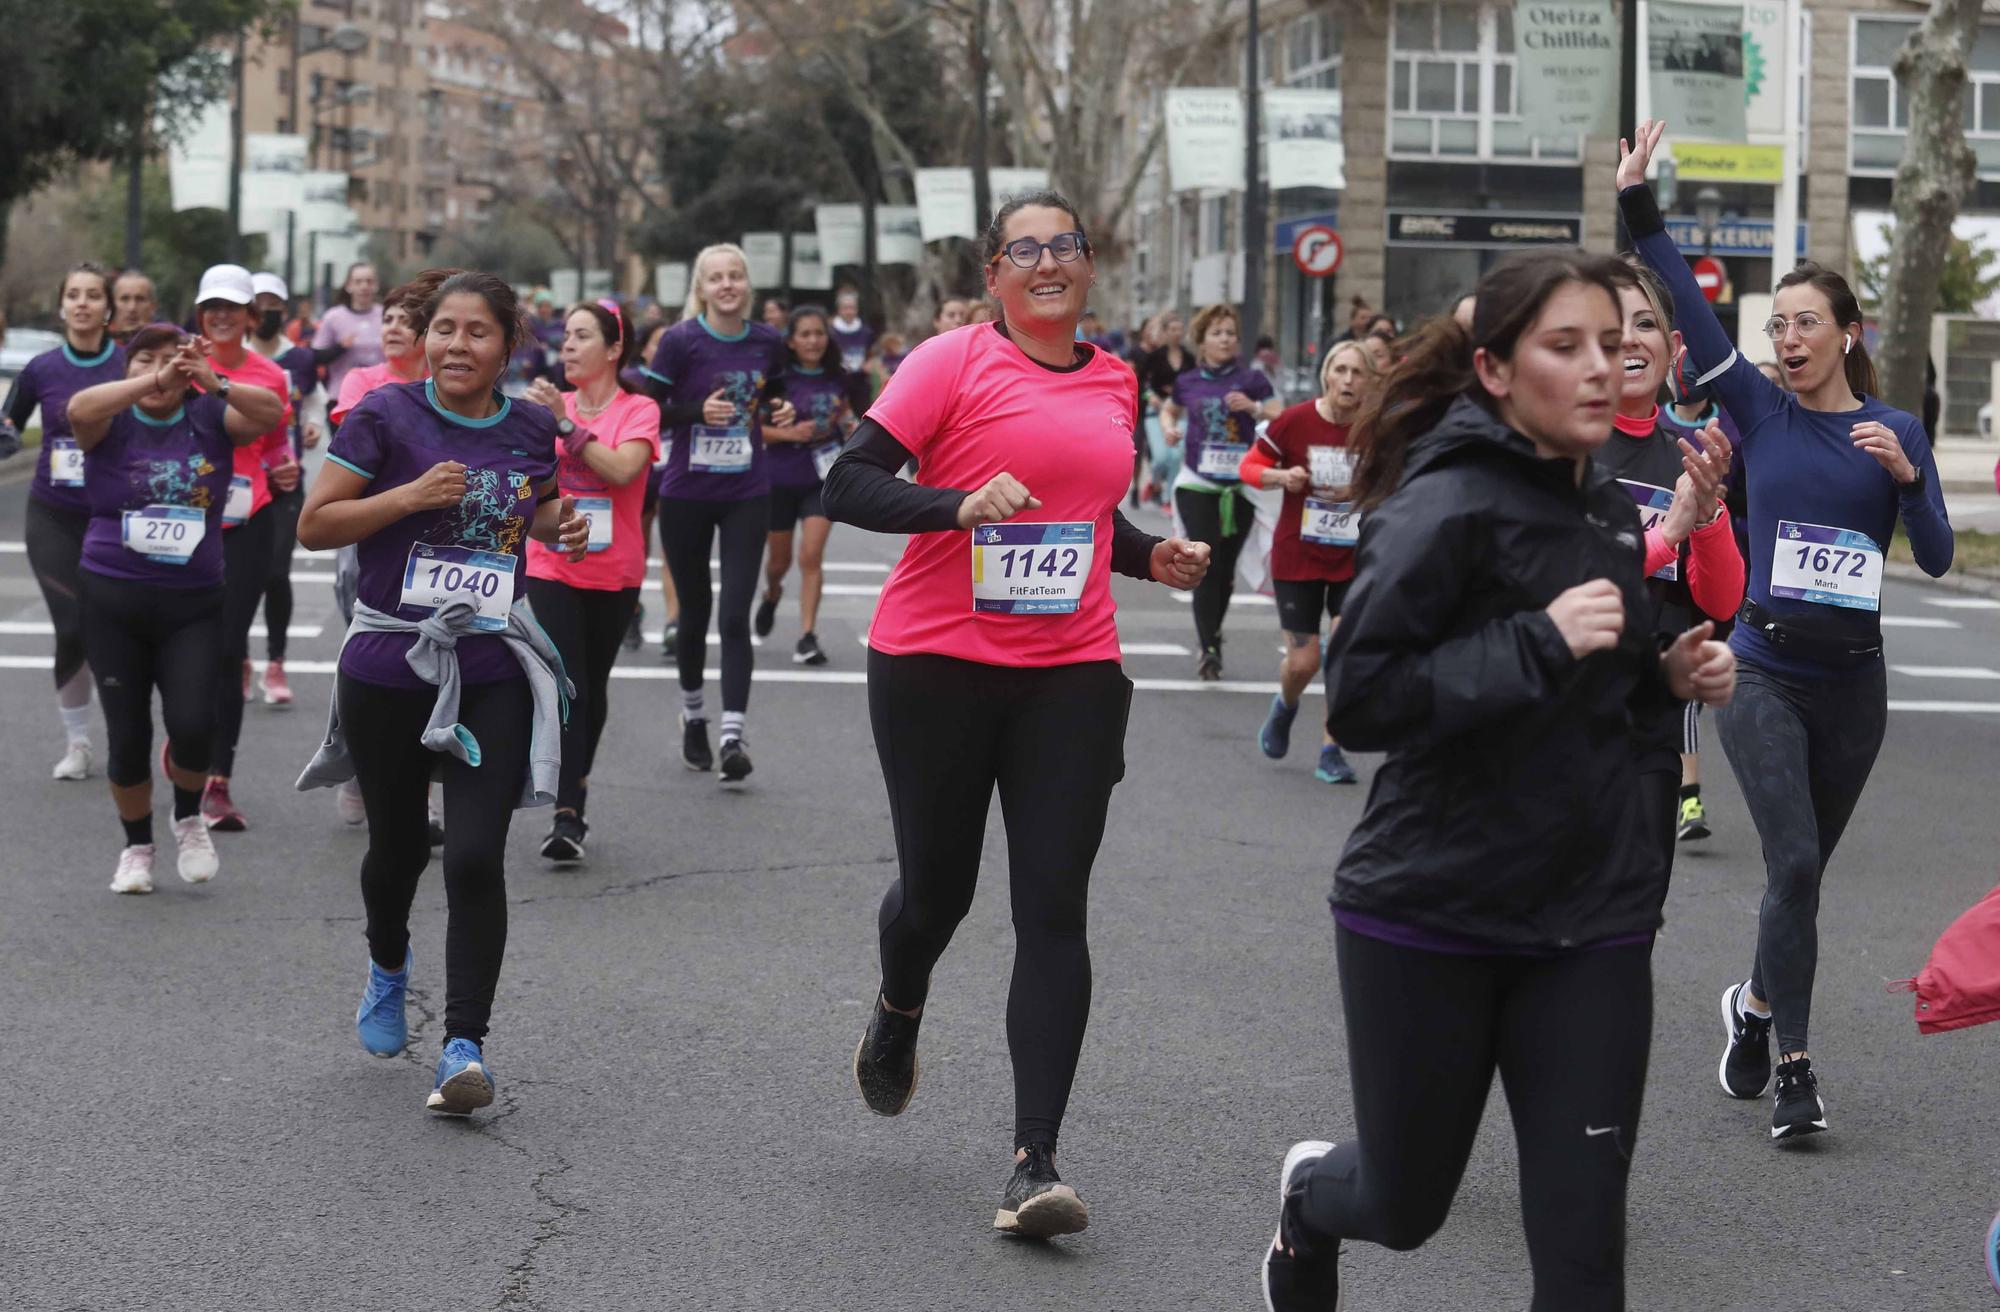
(75, 763)
(197, 850)
(135, 870)
(347, 801)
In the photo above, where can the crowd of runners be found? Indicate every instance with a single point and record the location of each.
(1524, 543)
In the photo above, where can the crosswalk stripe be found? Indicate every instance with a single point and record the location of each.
(44, 629)
(1964, 603)
(1946, 671)
(1918, 622)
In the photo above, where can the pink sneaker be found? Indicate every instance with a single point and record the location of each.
(219, 811)
(277, 692)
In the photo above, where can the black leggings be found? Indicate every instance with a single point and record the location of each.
(588, 628)
(246, 564)
(1053, 740)
(140, 636)
(1425, 1032)
(688, 528)
(382, 727)
(1201, 516)
(55, 553)
(285, 508)
(1802, 750)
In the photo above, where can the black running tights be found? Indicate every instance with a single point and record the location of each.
(55, 548)
(246, 565)
(382, 727)
(285, 508)
(1201, 516)
(1053, 741)
(1425, 1033)
(737, 529)
(588, 628)
(138, 637)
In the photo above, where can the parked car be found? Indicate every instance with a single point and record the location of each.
(22, 345)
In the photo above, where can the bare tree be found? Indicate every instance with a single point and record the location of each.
(1935, 175)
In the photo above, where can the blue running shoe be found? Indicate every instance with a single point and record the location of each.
(380, 1021)
(1276, 735)
(1333, 767)
(463, 1085)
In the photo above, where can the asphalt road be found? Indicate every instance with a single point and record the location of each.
(191, 1124)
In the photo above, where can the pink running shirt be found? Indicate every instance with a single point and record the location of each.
(629, 418)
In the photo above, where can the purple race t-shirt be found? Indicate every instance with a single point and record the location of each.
(853, 342)
(831, 401)
(1200, 392)
(341, 323)
(139, 474)
(392, 437)
(710, 463)
(50, 380)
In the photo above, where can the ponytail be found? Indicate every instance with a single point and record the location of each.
(1846, 315)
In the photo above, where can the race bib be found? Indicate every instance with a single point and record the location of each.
(1219, 460)
(1030, 569)
(598, 509)
(1831, 566)
(236, 507)
(1332, 467)
(719, 450)
(65, 462)
(1654, 503)
(823, 457)
(1330, 523)
(436, 575)
(168, 534)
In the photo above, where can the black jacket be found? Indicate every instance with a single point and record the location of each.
(1507, 811)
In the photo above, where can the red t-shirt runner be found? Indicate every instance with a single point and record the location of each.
(1303, 437)
(250, 481)
(969, 404)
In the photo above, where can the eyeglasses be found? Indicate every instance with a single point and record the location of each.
(1026, 253)
(1807, 324)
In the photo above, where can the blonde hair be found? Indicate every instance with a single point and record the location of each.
(697, 304)
(1335, 351)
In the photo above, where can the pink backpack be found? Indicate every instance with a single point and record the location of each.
(1960, 987)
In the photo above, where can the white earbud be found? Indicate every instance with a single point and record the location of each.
(1846, 345)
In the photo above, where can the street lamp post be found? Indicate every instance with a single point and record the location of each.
(1254, 237)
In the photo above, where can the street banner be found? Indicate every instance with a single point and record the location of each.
(323, 202)
(765, 254)
(1568, 56)
(944, 203)
(1694, 56)
(808, 273)
(670, 282)
(1765, 59)
(899, 235)
(839, 230)
(1302, 142)
(565, 286)
(1205, 138)
(198, 162)
(274, 165)
(1005, 184)
(596, 284)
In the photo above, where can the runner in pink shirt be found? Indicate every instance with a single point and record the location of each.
(994, 660)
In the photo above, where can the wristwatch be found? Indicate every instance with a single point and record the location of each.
(1915, 486)
(565, 426)
(222, 386)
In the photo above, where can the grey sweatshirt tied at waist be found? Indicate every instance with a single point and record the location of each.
(434, 658)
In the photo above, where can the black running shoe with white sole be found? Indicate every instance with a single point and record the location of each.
(735, 761)
(767, 615)
(1746, 1056)
(1796, 1108)
(1037, 1204)
(695, 754)
(1209, 667)
(1297, 1275)
(885, 1061)
(565, 841)
(808, 651)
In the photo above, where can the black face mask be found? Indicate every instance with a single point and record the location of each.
(270, 322)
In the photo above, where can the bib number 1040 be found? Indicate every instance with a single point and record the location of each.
(1031, 569)
(437, 575)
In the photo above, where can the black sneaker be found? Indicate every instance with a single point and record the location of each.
(1037, 1204)
(670, 634)
(694, 745)
(808, 652)
(735, 761)
(767, 614)
(565, 840)
(1746, 1057)
(1209, 667)
(885, 1061)
(1299, 1275)
(632, 635)
(1796, 1108)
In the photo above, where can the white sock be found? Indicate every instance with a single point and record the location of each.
(733, 723)
(1743, 1004)
(691, 705)
(76, 722)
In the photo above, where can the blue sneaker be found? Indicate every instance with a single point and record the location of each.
(1333, 767)
(380, 1021)
(462, 1082)
(1276, 735)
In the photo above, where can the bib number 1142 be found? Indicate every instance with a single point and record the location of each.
(1031, 569)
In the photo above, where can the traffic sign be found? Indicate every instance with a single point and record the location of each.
(1709, 275)
(1317, 251)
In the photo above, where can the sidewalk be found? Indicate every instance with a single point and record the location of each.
(1965, 464)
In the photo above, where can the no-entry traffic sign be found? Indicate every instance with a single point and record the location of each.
(1317, 251)
(1709, 275)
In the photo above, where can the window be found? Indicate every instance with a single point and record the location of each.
(1879, 104)
(1452, 85)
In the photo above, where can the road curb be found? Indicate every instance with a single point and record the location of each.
(1979, 585)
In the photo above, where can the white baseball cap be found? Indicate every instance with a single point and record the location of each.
(226, 282)
(261, 283)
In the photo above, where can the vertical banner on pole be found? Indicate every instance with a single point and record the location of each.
(198, 163)
(839, 230)
(1205, 138)
(274, 166)
(1302, 142)
(670, 283)
(899, 235)
(765, 253)
(1695, 64)
(944, 203)
(1005, 184)
(809, 272)
(1765, 50)
(1568, 75)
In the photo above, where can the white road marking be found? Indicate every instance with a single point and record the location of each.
(1946, 671)
(1964, 603)
(44, 629)
(1241, 598)
(1918, 622)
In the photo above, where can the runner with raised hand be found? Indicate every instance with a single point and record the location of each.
(58, 512)
(993, 661)
(1831, 469)
(157, 467)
